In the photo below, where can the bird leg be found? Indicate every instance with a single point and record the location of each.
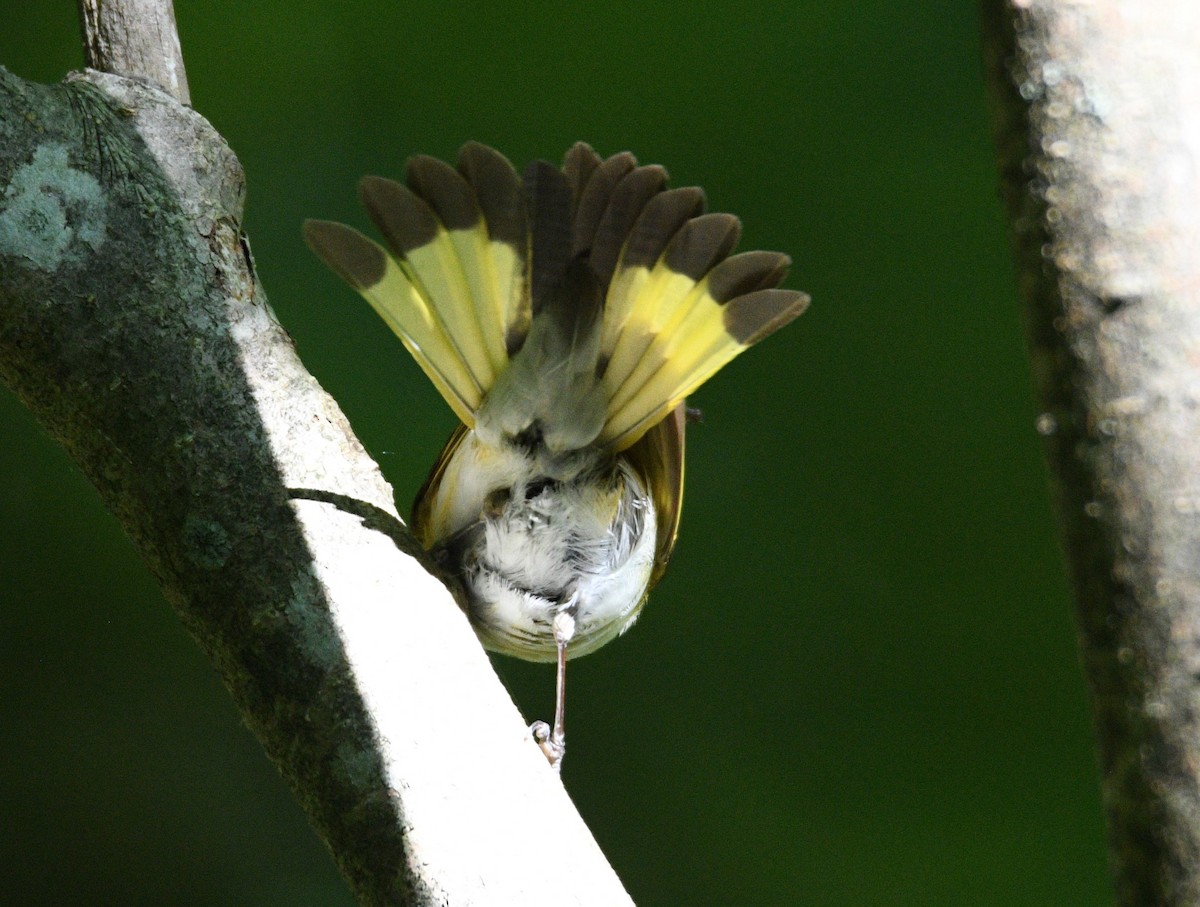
(553, 741)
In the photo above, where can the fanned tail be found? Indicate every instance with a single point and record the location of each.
(582, 303)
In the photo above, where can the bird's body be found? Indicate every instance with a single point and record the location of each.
(528, 545)
(564, 314)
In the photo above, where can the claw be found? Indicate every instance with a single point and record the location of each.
(552, 748)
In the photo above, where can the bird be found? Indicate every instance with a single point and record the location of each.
(564, 313)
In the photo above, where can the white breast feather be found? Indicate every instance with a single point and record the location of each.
(577, 550)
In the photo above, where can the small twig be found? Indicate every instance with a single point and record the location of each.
(136, 39)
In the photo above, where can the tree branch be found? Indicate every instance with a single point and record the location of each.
(137, 39)
(133, 326)
(1097, 119)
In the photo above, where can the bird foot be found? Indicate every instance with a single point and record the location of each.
(554, 746)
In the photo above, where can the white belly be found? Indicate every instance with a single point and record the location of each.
(585, 546)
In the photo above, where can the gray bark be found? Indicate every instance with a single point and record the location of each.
(1097, 119)
(134, 38)
(133, 326)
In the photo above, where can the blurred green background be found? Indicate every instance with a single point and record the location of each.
(858, 683)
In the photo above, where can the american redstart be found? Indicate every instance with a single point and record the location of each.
(565, 315)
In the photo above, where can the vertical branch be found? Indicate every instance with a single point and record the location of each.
(1097, 122)
(137, 39)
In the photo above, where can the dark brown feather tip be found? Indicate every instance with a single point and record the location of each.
(594, 199)
(750, 318)
(747, 272)
(498, 191)
(578, 164)
(659, 221)
(404, 220)
(445, 191)
(626, 203)
(351, 256)
(701, 243)
(548, 196)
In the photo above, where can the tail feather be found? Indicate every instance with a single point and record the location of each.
(549, 396)
(682, 306)
(549, 393)
(548, 197)
(595, 196)
(584, 302)
(729, 308)
(429, 258)
(453, 200)
(629, 198)
(659, 221)
(579, 163)
(498, 192)
(678, 364)
(377, 276)
(667, 297)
